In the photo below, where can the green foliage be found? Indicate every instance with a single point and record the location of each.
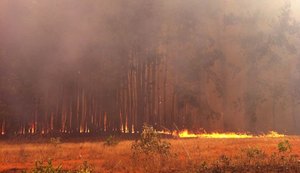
(150, 142)
(85, 168)
(253, 152)
(284, 146)
(203, 167)
(150, 152)
(40, 167)
(55, 141)
(111, 141)
(48, 168)
(225, 160)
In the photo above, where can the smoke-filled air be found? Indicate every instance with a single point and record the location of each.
(70, 67)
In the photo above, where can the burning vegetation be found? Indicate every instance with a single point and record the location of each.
(187, 134)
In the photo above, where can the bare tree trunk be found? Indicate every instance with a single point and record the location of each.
(165, 93)
(273, 113)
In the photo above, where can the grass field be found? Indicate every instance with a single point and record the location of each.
(186, 155)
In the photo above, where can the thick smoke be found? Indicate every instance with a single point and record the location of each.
(102, 66)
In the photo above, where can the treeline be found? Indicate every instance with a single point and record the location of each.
(91, 67)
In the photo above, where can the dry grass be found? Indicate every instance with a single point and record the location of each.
(187, 154)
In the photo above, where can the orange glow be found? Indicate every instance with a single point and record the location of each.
(231, 135)
(186, 134)
(165, 133)
(81, 130)
(273, 134)
(31, 129)
(3, 128)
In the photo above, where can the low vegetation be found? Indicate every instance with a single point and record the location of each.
(111, 141)
(40, 167)
(85, 168)
(151, 153)
(55, 141)
(150, 143)
(284, 146)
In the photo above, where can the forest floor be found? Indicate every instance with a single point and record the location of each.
(187, 155)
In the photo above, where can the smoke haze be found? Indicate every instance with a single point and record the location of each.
(104, 66)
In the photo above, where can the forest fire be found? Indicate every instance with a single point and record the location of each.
(149, 86)
(230, 135)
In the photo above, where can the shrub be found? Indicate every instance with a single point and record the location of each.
(150, 142)
(253, 152)
(55, 141)
(203, 167)
(284, 146)
(40, 167)
(85, 168)
(111, 141)
(48, 168)
(150, 152)
(224, 160)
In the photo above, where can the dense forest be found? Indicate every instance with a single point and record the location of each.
(110, 66)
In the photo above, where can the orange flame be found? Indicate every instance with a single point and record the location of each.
(273, 134)
(231, 135)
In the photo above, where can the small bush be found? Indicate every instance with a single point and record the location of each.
(40, 167)
(111, 141)
(48, 168)
(150, 142)
(55, 141)
(253, 152)
(150, 152)
(284, 146)
(203, 167)
(224, 160)
(85, 168)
